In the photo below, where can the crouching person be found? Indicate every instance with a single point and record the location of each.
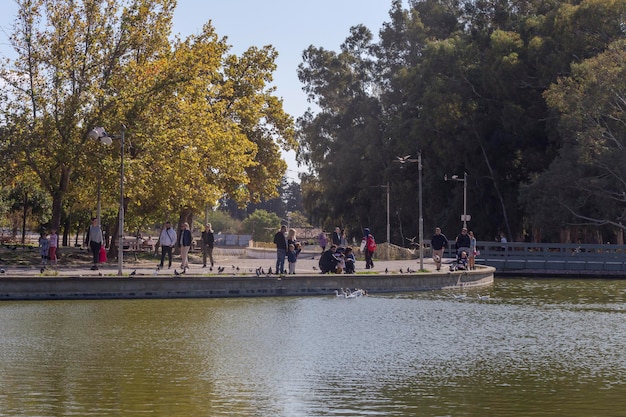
(349, 260)
(328, 261)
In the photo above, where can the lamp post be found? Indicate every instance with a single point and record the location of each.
(98, 133)
(464, 217)
(418, 161)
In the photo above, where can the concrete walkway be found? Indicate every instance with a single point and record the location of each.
(232, 265)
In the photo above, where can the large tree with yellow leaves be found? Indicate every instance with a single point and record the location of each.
(199, 122)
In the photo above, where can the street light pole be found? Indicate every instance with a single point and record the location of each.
(418, 161)
(464, 217)
(421, 220)
(388, 227)
(120, 245)
(98, 133)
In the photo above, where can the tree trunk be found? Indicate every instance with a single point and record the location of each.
(24, 218)
(58, 195)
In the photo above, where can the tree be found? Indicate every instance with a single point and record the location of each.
(463, 84)
(262, 225)
(199, 122)
(587, 180)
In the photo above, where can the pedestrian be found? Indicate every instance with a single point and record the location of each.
(44, 248)
(208, 242)
(293, 250)
(503, 241)
(439, 242)
(462, 242)
(167, 240)
(185, 244)
(336, 237)
(343, 243)
(322, 240)
(291, 238)
(280, 240)
(368, 246)
(472, 252)
(94, 237)
(54, 243)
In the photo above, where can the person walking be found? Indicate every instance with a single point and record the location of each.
(167, 241)
(94, 237)
(208, 242)
(44, 248)
(368, 246)
(472, 250)
(54, 243)
(336, 237)
(322, 240)
(439, 242)
(280, 240)
(185, 244)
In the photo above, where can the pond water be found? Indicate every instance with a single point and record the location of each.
(536, 347)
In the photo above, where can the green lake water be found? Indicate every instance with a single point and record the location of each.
(535, 348)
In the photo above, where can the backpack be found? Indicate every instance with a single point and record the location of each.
(371, 243)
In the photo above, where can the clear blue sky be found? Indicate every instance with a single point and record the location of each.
(289, 25)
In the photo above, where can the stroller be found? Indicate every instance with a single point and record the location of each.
(460, 263)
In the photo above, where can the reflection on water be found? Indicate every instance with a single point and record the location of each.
(537, 347)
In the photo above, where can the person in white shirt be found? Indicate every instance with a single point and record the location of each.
(167, 241)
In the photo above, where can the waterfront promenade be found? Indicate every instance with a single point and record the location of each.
(231, 276)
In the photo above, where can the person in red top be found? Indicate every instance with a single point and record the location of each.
(368, 245)
(54, 243)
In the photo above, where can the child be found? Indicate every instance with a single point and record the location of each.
(44, 248)
(292, 257)
(463, 260)
(349, 260)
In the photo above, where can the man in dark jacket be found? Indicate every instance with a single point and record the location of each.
(462, 242)
(280, 240)
(439, 243)
(328, 261)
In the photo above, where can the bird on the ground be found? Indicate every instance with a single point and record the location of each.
(220, 268)
(401, 271)
(42, 269)
(2, 271)
(262, 271)
(133, 273)
(258, 271)
(386, 271)
(269, 271)
(315, 268)
(237, 268)
(176, 272)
